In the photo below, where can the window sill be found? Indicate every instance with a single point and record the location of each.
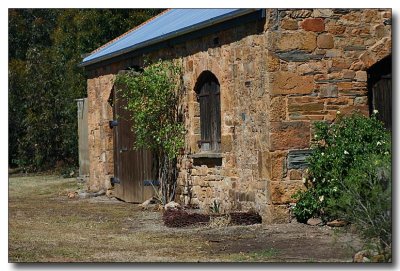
(209, 159)
(206, 155)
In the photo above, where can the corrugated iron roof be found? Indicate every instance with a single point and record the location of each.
(167, 25)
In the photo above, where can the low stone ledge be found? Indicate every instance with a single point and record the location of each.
(210, 159)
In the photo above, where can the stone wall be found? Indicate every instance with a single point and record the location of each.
(239, 64)
(100, 135)
(319, 59)
(277, 76)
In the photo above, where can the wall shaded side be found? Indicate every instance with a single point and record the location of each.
(100, 134)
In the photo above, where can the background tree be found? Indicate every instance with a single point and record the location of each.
(45, 48)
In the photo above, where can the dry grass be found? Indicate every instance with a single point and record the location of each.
(46, 226)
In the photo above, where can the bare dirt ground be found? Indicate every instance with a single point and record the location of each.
(46, 226)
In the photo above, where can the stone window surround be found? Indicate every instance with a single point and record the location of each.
(215, 138)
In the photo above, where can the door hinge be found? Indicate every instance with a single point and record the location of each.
(113, 123)
(151, 182)
(114, 180)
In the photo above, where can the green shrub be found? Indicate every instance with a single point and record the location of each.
(336, 149)
(307, 206)
(349, 176)
(365, 199)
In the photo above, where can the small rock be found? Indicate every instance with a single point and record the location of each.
(172, 205)
(146, 203)
(360, 257)
(71, 195)
(337, 223)
(314, 221)
(83, 195)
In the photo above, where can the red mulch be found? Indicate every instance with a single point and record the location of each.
(181, 218)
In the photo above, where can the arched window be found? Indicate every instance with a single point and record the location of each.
(208, 95)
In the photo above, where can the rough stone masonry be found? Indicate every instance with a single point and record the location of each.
(277, 77)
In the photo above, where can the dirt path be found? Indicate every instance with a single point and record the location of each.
(46, 226)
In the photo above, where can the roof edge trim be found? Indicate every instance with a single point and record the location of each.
(171, 35)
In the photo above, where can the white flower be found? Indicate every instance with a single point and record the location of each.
(321, 198)
(375, 111)
(315, 136)
(304, 180)
(386, 152)
(334, 189)
(313, 180)
(378, 143)
(346, 152)
(322, 154)
(338, 112)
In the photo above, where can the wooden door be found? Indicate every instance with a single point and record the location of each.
(134, 170)
(380, 90)
(210, 116)
(83, 137)
(382, 99)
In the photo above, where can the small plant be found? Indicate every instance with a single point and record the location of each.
(215, 207)
(307, 205)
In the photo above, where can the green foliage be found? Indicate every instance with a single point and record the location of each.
(337, 148)
(152, 99)
(366, 200)
(307, 205)
(46, 46)
(215, 207)
(349, 176)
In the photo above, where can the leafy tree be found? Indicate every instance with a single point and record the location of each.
(45, 48)
(152, 99)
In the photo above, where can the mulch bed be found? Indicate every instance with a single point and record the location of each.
(248, 218)
(180, 218)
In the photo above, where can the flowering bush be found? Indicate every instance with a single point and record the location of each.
(338, 148)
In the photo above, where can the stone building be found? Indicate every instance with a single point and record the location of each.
(269, 74)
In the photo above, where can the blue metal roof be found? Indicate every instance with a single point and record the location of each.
(167, 25)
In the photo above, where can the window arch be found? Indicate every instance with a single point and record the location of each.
(208, 95)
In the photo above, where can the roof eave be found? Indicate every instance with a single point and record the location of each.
(169, 36)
